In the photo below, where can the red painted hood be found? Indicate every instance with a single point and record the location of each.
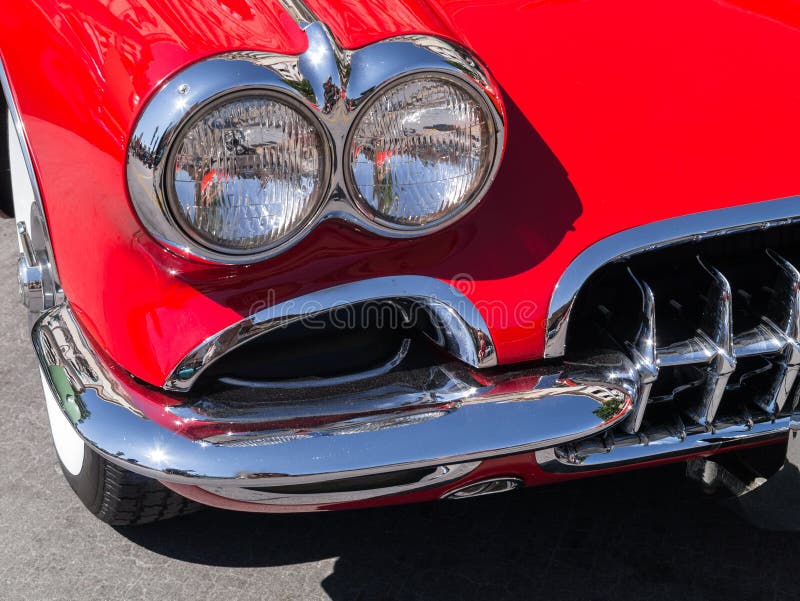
(619, 113)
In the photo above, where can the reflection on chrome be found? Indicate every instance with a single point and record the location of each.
(734, 386)
(356, 491)
(401, 420)
(72, 373)
(402, 398)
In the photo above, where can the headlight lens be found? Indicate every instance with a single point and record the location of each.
(421, 151)
(246, 174)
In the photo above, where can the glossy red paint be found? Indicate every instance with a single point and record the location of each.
(619, 114)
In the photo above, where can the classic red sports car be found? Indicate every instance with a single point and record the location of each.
(285, 255)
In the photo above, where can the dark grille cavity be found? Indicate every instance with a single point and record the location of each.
(713, 329)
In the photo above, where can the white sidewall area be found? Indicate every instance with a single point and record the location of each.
(69, 445)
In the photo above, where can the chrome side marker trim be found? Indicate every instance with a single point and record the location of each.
(298, 497)
(39, 284)
(482, 488)
(459, 326)
(651, 236)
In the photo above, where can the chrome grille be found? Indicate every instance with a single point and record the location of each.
(717, 349)
(713, 331)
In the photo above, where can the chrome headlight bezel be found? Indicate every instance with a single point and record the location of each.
(494, 125)
(313, 82)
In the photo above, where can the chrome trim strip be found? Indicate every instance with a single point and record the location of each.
(333, 84)
(40, 285)
(497, 414)
(651, 236)
(19, 127)
(661, 448)
(441, 475)
(462, 331)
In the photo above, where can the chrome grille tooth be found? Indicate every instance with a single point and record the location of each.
(642, 351)
(787, 298)
(717, 329)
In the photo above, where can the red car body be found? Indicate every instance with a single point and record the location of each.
(618, 114)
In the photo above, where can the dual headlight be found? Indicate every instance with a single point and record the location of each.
(245, 173)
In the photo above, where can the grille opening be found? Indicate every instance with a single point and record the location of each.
(682, 295)
(689, 285)
(677, 383)
(672, 271)
(753, 375)
(754, 289)
(687, 400)
(341, 344)
(609, 312)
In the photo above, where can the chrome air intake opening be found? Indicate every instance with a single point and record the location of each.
(338, 348)
(427, 305)
(713, 328)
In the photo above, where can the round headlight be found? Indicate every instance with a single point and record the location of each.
(246, 173)
(421, 151)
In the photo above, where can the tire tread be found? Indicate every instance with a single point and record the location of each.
(131, 499)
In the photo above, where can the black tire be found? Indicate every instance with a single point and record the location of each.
(123, 498)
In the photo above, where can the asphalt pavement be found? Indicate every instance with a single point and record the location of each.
(646, 535)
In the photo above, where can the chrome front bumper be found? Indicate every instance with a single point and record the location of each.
(449, 420)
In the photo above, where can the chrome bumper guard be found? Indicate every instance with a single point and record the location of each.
(448, 419)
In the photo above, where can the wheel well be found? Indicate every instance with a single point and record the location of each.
(6, 193)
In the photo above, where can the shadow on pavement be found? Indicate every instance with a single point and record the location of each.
(643, 535)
